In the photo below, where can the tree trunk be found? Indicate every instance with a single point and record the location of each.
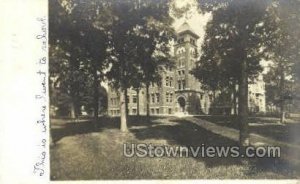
(282, 100)
(74, 66)
(148, 101)
(126, 102)
(138, 101)
(214, 95)
(96, 96)
(51, 141)
(243, 106)
(123, 111)
(234, 100)
(72, 110)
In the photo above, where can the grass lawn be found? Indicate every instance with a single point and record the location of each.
(86, 151)
(265, 126)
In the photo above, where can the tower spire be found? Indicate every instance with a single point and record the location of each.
(185, 28)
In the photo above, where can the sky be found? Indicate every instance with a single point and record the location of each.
(196, 20)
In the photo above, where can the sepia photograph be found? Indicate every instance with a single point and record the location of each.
(174, 89)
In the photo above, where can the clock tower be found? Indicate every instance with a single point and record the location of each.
(187, 90)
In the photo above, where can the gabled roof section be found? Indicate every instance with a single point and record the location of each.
(186, 28)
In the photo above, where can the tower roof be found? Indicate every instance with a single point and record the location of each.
(186, 28)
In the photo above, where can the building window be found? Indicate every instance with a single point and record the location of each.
(171, 79)
(180, 40)
(152, 111)
(152, 98)
(179, 84)
(170, 111)
(114, 101)
(167, 97)
(167, 81)
(128, 99)
(192, 41)
(183, 84)
(157, 97)
(181, 72)
(181, 62)
(134, 111)
(134, 99)
(157, 111)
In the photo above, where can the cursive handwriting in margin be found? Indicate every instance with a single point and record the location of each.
(41, 97)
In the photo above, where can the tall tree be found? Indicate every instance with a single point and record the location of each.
(138, 29)
(233, 48)
(155, 52)
(283, 24)
(124, 20)
(65, 63)
(78, 29)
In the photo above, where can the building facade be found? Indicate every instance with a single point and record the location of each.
(257, 96)
(179, 92)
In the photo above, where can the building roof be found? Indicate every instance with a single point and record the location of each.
(186, 28)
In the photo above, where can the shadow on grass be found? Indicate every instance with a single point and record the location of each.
(176, 132)
(187, 134)
(288, 133)
(89, 126)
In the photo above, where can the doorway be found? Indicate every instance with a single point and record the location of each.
(182, 103)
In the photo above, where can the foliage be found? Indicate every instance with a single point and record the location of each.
(233, 34)
(140, 35)
(283, 46)
(77, 51)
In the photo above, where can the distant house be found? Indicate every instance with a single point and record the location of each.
(257, 95)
